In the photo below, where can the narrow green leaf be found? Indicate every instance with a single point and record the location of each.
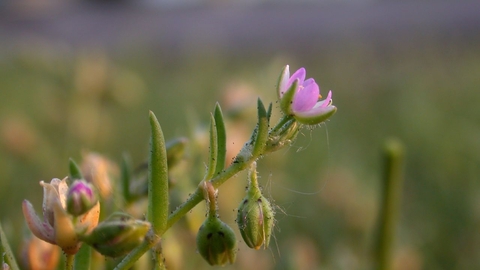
(157, 179)
(125, 177)
(221, 139)
(269, 112)
(213, 149)
(7, 251)
(262, 130)
(82, 258)
(75, 172)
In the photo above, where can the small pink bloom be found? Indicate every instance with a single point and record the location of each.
(301, 98)
(57, 226)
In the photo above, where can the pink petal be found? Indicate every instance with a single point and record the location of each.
(283, 87)
(306, 97)
(300, 75)
(40, 229)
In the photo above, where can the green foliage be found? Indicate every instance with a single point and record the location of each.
(424, 92)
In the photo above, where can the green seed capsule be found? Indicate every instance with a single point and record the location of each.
(255, 215)
(255, 221)
(216, 242)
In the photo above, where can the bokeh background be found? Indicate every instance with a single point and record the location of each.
(81, 76)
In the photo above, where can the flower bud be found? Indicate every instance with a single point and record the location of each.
(81, 197)
(117, 235)
(255, 221)
(255, 215)
(216, 242)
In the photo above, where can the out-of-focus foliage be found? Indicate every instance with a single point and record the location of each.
(58, 102)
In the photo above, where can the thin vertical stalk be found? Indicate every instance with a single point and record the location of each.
(69, 259)
(7, 253)
(390, 203)
(83, 258)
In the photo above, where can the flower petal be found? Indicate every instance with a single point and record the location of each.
(90, 219)
(316, 115)
(300, 75)
(283, 81)
(40, 229)
(50, 197)
(306, 97)
(65, 234)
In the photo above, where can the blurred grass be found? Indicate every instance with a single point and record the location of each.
(57, 102)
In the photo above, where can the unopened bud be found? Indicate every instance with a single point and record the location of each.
(117, 235)
(255, 215)
(81, 197)
(216, 242)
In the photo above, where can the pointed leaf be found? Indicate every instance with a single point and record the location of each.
(75, 172)
(157, 179)
(262, 130)
(213, 149)
(221, 139)
(125, 177)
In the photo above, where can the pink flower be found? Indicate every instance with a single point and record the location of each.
(301, 98)
(57, 226)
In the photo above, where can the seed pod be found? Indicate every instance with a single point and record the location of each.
(255, 215)
(216, 242)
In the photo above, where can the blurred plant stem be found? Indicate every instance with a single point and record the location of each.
(7, 253)
(393, 157)
(69, 261)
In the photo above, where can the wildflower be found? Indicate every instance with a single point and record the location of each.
(58, 227)
(300, 98)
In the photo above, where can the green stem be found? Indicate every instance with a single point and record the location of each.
(197, 196)
(7, 253)
(158, 258)
(390, 204)
(83, 258)
(194, 199)
(69, 259)
(281, 122)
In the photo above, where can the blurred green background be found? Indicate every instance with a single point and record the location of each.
(417, 79)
